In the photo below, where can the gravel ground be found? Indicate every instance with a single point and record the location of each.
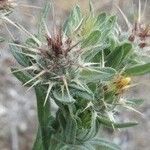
(17, 107)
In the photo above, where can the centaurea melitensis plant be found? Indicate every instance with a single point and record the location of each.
(84, 66)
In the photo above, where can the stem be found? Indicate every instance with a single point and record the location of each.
(38, 142)
(43, 117)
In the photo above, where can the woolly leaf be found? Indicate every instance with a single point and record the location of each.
(138, 70)
(108, 27)
(81, 91)
(92, 39)
(134, 102)
(112, 124)
(21, 58)
(70, 131)
(101, 144)
(44, 15)
(116, 57)
(94, 128)
(63, 97)
(73, 21)
(95, 75)
(85, 146)
(22, 76)
(101, 18)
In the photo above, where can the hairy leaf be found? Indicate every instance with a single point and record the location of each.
(94, 75)
(134, 102)
(116, 57)
(21, 58)
(73, 21)
(92, 39)
(70, 131)
(138, 70)
(101, 144)
(42, 19)
(22, 76)
(112, 124)
(63, 97)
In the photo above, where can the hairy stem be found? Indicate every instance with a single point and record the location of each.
(43, 118)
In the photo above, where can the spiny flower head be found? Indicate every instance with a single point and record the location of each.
(60, 56)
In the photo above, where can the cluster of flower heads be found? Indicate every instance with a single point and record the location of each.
(7, 4)
(140, 34)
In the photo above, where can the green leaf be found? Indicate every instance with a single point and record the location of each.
(101, 19)
(61, 146)
(63, 97)
(43, 17)
(70, 131)
(125, 125)
(93, 54)
(101, 144)
(116, 57)
(138, 70)
(30, 42)
(94, 75)
(111, 22)
(92, 39)
(134, 102)
(21, 58)
(82, 94)
(107, 27)
(43, 115)
(2, 39)
(81, 91)
(73, 21)
(38, 142)
(94, 128)
(112, 124)
(85, 146)
(22, 76)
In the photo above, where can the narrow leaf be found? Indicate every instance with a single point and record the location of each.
(94, 75)
(112, 124)
(138, 70)
(101, 18)
(63, 98)
(43, 17)
(116, 57)
(134, 102)
(70, 131)
(20, 57)
(73, 21)
(94, 128)
(22, 76)
(92, 39)
(101, 144)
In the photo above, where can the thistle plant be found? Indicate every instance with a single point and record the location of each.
(83, 66)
